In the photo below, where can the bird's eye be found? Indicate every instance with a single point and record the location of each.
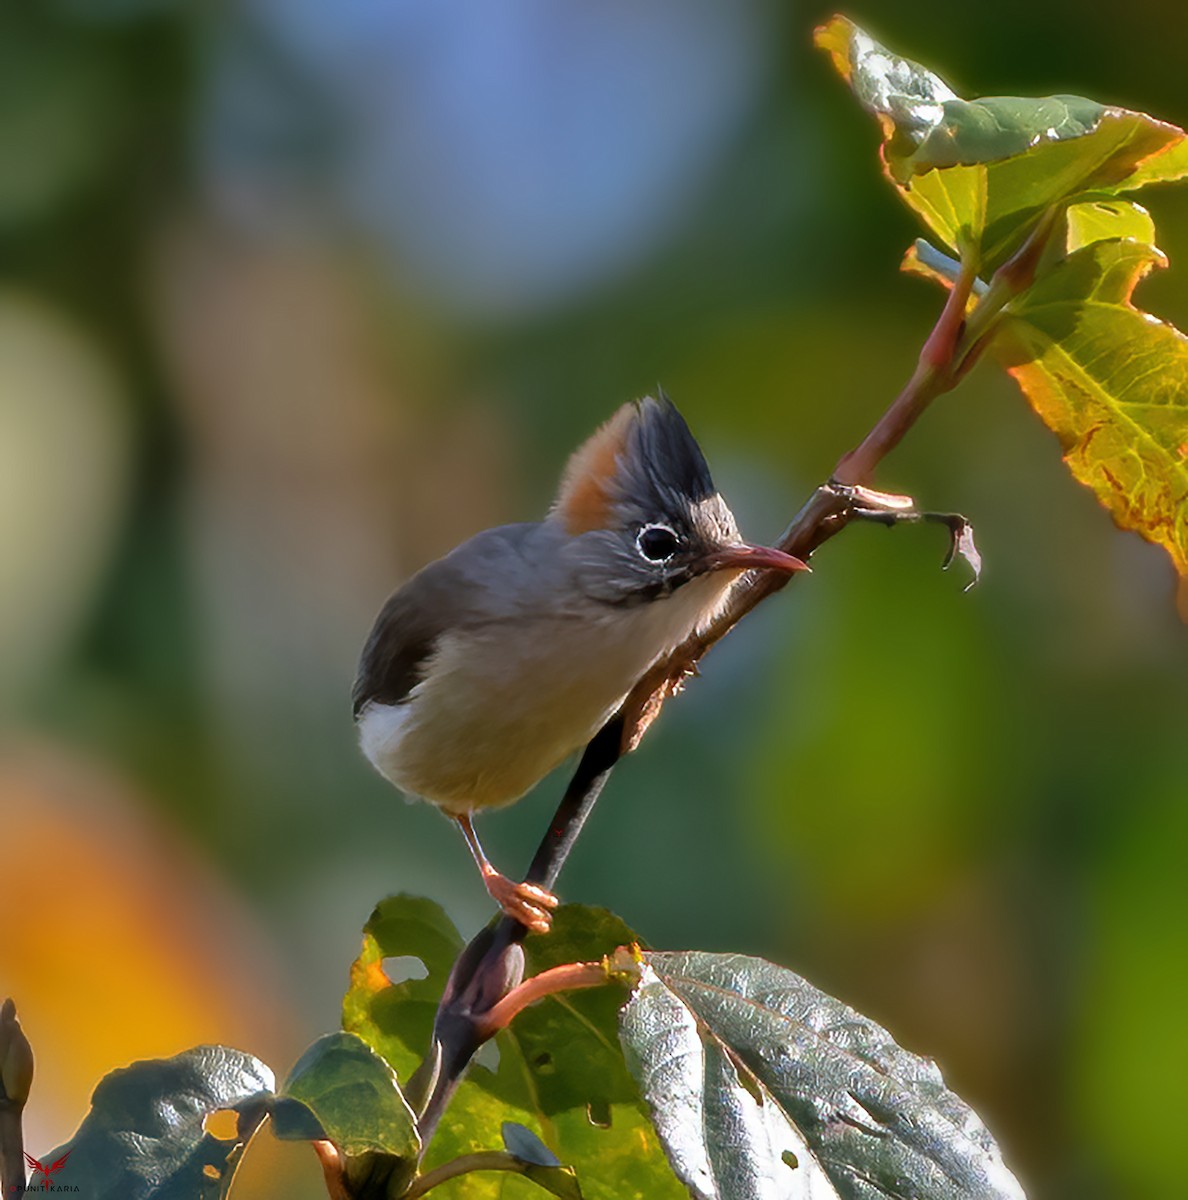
(657, 543)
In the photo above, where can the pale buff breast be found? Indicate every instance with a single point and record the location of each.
(502, 706)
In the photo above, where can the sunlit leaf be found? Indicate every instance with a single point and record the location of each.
(762, 1085)
(560, 1071)
(1105, 220)
(396, 1019)
(144, 1138)
(1112, 383)
(979, 173)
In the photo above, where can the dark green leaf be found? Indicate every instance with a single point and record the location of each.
(980, 173)
(762, 1085)
(144, 1139)
(354, 1097)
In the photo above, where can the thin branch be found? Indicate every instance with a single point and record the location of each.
(12, 1149)
(333, 1169)
(490, 969)
(493, 963)
(569, 977)
(932, 377)
(16, 1079)
(484, 1160)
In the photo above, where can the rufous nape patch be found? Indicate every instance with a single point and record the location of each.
(584, 499)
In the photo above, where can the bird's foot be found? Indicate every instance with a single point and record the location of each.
(527, 903)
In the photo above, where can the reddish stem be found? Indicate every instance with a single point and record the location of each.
(934, 374)
(333, 1170)
(567, 978)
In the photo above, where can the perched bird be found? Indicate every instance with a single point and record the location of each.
(493, 664)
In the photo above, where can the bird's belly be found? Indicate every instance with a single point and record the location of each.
(501, 707)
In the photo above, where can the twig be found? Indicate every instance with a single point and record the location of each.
(931, 378)
(333, 1169)
(16, 1078)
(493, 963)
(484, 1160)
(569, 977)
(12, 1149)
(491, 967)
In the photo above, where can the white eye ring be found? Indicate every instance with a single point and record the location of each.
(662, 547)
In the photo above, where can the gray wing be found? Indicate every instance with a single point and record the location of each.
(485, 579)
(400, 643)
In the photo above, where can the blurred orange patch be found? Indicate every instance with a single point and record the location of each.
(118, 943)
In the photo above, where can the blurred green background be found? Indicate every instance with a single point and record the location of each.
(296, 295)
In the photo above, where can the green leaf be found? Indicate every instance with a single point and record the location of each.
(354, 1096)
(1111, 382)
(1105, 220)
(396, 1020)
(980, 173)
(342, 1090)
(144, 1138)
(760, 1084)
(560, 1072)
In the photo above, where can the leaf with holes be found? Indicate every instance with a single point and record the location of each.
(1112, 383)
(144, 1138)
(762, 1085)
(560, 1071)
(396, 1019)
(980, 173)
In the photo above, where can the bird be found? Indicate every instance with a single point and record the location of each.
(489, 667)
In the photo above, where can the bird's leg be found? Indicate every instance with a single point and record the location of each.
(524, 902)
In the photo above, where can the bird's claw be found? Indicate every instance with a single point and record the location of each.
(527, 903)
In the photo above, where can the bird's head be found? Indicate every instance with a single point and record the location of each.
(643, 514)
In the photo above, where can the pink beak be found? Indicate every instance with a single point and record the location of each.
(755, 558)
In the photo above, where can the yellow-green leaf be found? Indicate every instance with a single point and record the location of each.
(980, 173)
(1112, 383)
(1106, 220)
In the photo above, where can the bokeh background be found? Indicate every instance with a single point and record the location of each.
(296, 295)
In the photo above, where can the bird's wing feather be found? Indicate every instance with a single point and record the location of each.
(401, 641)
(485, 580)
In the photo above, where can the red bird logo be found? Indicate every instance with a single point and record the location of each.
(46, 1172)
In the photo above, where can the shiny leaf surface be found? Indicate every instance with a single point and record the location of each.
(144, 1137)
(762, 1085)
